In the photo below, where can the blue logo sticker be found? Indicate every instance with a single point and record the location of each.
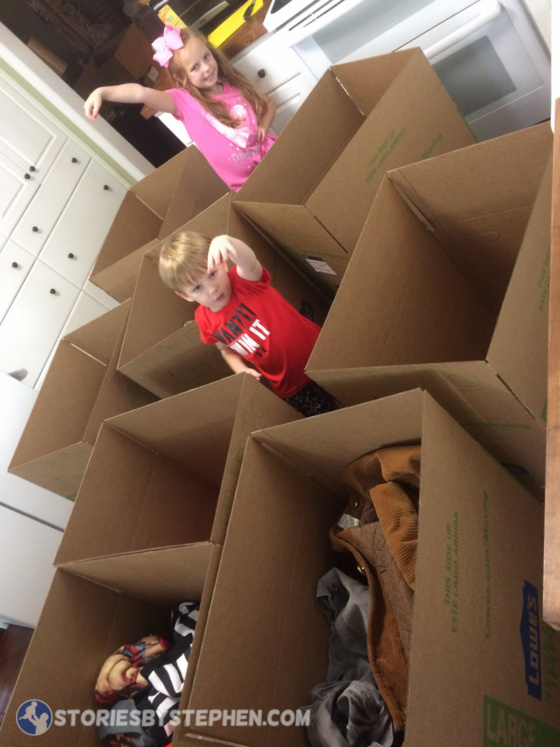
(34, 717)
(531, 640)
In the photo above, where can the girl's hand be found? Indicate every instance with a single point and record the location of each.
(93, 104)
(261, 134)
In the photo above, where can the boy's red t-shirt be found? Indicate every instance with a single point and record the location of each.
(260, 325)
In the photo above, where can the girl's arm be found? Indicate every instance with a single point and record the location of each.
(236, 362)
(266, 119)
(224, 247)
(129, 93)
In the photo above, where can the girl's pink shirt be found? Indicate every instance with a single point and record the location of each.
(232, 152)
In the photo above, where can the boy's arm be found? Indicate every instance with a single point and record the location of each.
(129, 93)
(236, 362)
(224, 247)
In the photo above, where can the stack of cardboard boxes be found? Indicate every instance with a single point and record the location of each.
(219, 492)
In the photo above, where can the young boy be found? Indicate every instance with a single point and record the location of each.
(247, 319)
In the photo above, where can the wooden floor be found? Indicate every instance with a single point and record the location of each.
(14, 641)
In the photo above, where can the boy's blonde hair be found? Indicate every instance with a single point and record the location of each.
(226, 72)
(183, 259)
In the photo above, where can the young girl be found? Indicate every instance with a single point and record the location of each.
(223, 113)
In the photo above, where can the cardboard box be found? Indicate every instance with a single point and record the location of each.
(152, 209)
(451, 278)
(81, 389)
(145, 534)
(480, 535)
(164, 475)
(162, 348)
(312, 194)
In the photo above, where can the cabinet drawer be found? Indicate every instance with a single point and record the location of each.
(288, 98)
(15, 263)
(268, 66)
(75, 241)
(34, 228)
(34, 321)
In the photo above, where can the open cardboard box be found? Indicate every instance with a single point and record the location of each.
(162, 348)
(145, 534)
(152, 209)
(451, 277)
(82, 388)
(87, 622)
(480, 536)
(312, 194)
(164, 477)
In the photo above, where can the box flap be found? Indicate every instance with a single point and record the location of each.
(177, 363)
(157, 189)
(134, 225)
(99, 337)
(165, 576)
(260, 653)
(59, 471)
(63, 407)
(524, 314)
(394, 133)
(368, 80)
(308, 444)
(299, 158)
(477, 597)
(156, 312)
(198, 188)
(478, 200)
(119, 279)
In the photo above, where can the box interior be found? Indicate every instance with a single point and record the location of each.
(428, 305)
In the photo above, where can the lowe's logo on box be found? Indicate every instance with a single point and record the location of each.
(531, 640)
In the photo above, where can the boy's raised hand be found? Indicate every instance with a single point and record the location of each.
(221, 249)
(225, 247)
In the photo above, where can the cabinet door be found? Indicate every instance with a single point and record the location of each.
(16, 192)
(75, 241)
(27, 137)
(40, 217)
(34, 321)
(15, 264)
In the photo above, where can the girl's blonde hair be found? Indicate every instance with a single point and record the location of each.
(226, 72)
(183, 259)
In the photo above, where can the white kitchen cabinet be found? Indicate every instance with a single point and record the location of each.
(15, 264)
(276, 70)
(74, 243)
(39, 220)
(288, 98)
(28, 138)
(34, 321)
(57, 203)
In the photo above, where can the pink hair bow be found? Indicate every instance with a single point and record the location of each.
(165, 45)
